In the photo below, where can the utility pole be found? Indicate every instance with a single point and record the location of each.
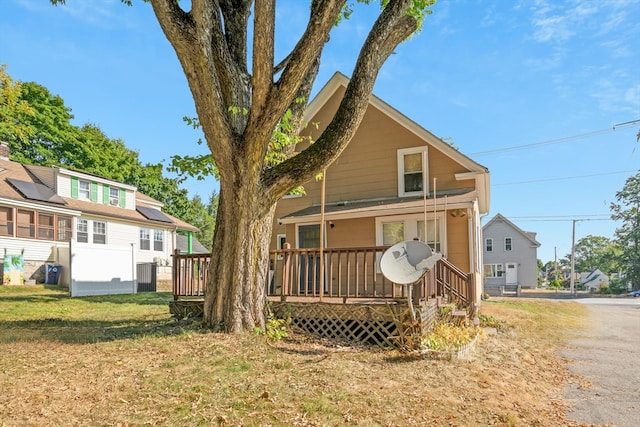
(573, 256)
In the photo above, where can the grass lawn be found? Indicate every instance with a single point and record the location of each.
(123, 361)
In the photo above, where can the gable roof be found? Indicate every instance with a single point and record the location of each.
(527, 234)
(593, 275)
(27, 177)
(476, 171)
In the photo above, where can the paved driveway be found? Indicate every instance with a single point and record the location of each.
(607, 360)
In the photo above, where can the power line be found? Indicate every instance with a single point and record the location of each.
(557, 140)
(563, 218)
(564, 178)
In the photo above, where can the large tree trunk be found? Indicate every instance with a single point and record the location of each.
(236, 291)
(239, 113)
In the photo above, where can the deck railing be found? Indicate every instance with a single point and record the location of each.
(346, 274)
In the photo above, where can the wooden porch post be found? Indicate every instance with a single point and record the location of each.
(285, 272)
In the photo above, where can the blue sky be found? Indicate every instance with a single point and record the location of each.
(533, 90)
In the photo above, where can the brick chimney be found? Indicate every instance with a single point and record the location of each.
(4, 150)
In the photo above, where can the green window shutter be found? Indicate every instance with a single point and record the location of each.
(74, 187)
(105, 194)
(94, 192)
(123, 198)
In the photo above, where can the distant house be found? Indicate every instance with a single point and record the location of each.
(95, 230)
(594, 280)
(510, 256)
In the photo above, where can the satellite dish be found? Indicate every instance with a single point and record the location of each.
(406, 262)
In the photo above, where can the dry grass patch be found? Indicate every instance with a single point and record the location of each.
(123, 361)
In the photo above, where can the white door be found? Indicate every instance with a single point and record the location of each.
(512, 273)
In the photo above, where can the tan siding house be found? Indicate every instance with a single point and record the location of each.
(374, 192)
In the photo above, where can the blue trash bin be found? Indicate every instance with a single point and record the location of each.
(52, 274)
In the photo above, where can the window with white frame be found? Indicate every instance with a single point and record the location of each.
(145, 239)
(433, 234)
(397, 228)
(65, 231)
(392, 232)
(158, 240)
(82, 230)
(493, 270)
(99, 232)
(84, 189)
(114, 196)
(412, 169)
(507, 244)
(488, 245)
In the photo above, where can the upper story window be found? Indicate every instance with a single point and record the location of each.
(412, 169)
(84, 189)
(488, 245)
(507, 244)
(114, 196)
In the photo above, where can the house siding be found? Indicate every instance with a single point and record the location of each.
(64, 185)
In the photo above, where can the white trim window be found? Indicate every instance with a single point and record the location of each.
(158, 240)
(412, 168)
(99, 232)
(488, 245)
(114, 196)
(493, 270)
(508, 244)
(394, 229)
(84, 190)
(82, 230)
(145, 239)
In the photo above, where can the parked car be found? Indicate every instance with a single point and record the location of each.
(635, 293)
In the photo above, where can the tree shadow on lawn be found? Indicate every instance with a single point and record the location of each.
(95, 331)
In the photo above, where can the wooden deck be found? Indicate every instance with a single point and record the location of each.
(355, 302)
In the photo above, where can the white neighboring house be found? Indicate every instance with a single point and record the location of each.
(97, 229)
(593, 280)
(510, 256)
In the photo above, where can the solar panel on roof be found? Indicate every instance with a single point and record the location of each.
(153, 214)
(35, 191)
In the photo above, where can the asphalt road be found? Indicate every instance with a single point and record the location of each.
(606, 360)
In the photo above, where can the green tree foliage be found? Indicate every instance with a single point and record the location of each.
(12, 108)
(596, 252)
(627, 210)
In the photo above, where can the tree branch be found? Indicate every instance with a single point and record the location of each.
(391, 28)
(194, 51)
(323, 16)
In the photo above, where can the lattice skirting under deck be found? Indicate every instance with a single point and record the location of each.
(379, 324)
